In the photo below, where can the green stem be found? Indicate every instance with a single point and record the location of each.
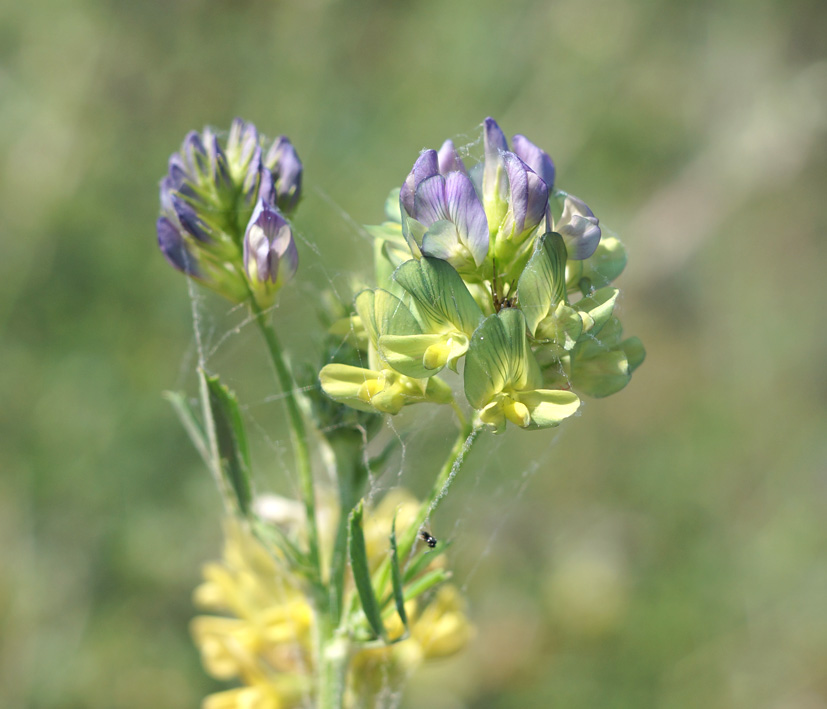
(298, 434)
(467, 435)
(333, 658)
(453, 463)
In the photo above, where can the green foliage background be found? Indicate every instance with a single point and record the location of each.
(669, 549)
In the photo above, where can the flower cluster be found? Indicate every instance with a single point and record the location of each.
(260, 629)
(488, 275)
(496, 266)
(222, 212)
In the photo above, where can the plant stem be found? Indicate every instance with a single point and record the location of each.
(453, 463)
(333, 659)
(467, 435)
(298, 433)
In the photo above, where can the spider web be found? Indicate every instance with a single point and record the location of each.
(215, 341)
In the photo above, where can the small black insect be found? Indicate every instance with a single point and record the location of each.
(427, 538)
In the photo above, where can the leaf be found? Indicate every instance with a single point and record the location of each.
(440, 294)
(426, 582)
(361, 571)
(296, 558)
(231, 441)
(543, 282)
(396, 578)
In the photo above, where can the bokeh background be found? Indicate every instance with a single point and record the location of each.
(668, 548)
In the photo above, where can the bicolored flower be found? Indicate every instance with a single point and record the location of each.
(579, 228)
(208, 200)
(270, 254)
(441, 213)
(286, 168)
(515, 196)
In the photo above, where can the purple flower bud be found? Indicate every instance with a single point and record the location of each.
(270, 255)
(451, 201)
(242, 142)
(219, 165)
(579, 228)
(426, 165)
(189, 219)
(283, 161)
(537, 159)
(493, 179)
(449, 160)
(174, 248)
(194, 154)
(528, 200)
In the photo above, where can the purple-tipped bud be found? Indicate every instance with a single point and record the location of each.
(493, 179)
(242, 143)
(270, 255)
(528, 197)
(536, 158)
(189, 219)
(579, 228)
(174, 248)
(194, 154)
(283, 161)
(220, 172)
(449, 160)
(426, 165)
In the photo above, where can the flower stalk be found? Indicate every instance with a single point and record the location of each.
(298, 432)
(488, 271)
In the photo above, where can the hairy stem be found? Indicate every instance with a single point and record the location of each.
(298, 433)
(467, 435)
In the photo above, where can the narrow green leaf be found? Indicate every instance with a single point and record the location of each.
(296, 559)
(542, 284)
(190, 422)
(421, 561)
(231, 439)
(396, 578)
(361, 571)
(426, 582)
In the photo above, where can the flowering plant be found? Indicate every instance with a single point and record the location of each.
(493, 296)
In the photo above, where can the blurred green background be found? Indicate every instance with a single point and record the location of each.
(666, 549)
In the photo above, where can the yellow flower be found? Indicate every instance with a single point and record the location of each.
(263, 635)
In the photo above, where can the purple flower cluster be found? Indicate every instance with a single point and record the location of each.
(491, 212)
(221, 211)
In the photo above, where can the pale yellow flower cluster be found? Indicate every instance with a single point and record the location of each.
(264, 633)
